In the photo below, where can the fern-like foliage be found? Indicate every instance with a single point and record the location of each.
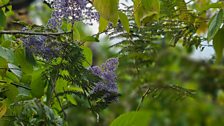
(142, 46)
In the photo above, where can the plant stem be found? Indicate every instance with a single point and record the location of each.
(13, 32)
(15, 84)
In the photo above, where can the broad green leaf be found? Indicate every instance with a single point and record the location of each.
(76, 34)
(90, 39)
(24, 60)
(61, 85)
(3, 64)
(124, 21)
(11, 77)
(78, 31)
(2, 20)
(102, 24)
(80, 34)
(37, 84)
(87, 52)
(71, 99)
(15, 69)
(11, 92)
(140, 118)
(138, 11)
(66, 26)
(6, 54)
(108, 9)
(3, 2)
(212, 5)
(218, 43)
(146, 11)
(215, 24)
(29, 57)
(9, 11)
(3, 109)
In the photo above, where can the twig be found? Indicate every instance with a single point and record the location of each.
(143, 97)
(9, 68)
(91, 107)
(59, 102)
(33, 33)
(15, 84)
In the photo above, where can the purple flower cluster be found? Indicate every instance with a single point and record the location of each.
(39, 46)
(71, 10)
(108, 84)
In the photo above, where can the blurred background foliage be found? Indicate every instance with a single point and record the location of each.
(156, 73)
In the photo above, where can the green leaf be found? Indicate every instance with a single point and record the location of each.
(80, 34)
(146, 11)
(29, 57)
(2, 20)
(71, 99)
(61, 85)
(76, 34)
(212, 5)
(11, 77)
(25, 62)
(66, 26)
(11, 92)
(90, 39)
(6, 54)
(78, 31)
(102, 24)
(87, 52)
(218, 44)
(108, 9)
(138, 12)
(37, 84)
(3, 2)
(15, 69)
(140, 118)
(215, 24)
(124, 21)
(3, 109)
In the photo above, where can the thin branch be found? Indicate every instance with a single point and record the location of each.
(33, 33)
(143, 97)
(69, 92)
(9, 68)
(91, 107)
(15, 84)
(59, 102)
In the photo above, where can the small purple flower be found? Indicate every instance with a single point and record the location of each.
(96, 70)
(71, 10)
(38, 46)
(108, 84)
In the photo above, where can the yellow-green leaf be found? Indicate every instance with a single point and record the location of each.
(2, 20)
(88, 56)
(146, 11)
(102, 24)
(124, 21)
(7, 54)
(218, 43)
(3, 109)
(108, 9)
(140, 118)
(215, 24)
(37, 84)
